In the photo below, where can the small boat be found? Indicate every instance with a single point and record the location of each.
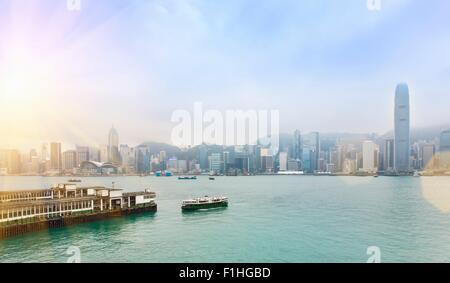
(212, 178)
(375, 176)
(204, 203)
(187, 178)
(74, 181)
(416, 174)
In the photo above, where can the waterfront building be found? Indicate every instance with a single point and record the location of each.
(69, 160)
(163, 160)
(103, 153)
(128, 158)
(297, 146)
(370, 157)
(427, 156)
(402, 130)
(283, 158)
(257, 159)
(292, 165)
(242, 161)
(203, 156)
(143, 159)
(82, 154)
(215, 163)
(92, 168)
(113, 146)
(307, 163)
(388, 155)
(10, 162)
(94, 154)
(444, 144)
(330, 168)
(444, 150)
(44, 152)
(182, 166)
(267, 160)
(311, 151)
(172, 164)
(226, 161)
(34, 165)
(350, 166)
(55, 156)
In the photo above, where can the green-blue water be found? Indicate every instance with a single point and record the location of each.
(270, 219)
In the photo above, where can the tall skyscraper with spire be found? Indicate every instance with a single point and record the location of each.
(113, 146)
(402, 129)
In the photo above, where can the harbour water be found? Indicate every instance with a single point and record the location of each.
(269, 219)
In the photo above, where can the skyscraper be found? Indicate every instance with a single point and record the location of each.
(113, 146)
(311, 152)
(444, 150)
(82, 154)
(427, 153)
(55, 156)
(370, 157)
(69, 160)
(445, 141)
(297, 146)
(388, 155)
(283, 157)
(402, 129)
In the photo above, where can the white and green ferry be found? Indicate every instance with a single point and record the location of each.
(204, 203)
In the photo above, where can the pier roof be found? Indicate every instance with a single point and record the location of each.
(9, 205)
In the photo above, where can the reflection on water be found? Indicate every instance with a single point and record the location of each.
(436, 190)
(204, 212)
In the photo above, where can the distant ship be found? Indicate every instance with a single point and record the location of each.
(74, 181)
(187, 178)
(212, 178)
(416, 174)
(204, 203)
(163, 174)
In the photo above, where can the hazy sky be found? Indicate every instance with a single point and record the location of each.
(326, 65)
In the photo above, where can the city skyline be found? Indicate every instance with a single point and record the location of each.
(324, 65)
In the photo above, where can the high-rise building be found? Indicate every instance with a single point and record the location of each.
(226, 161)
(402, 129)
(427, 153)
(127, 156)
(283, 158)
(267, 160)
(113, 146)
(103, 153)
(370, 157)
(82, 154)
(445, 141)
(388, 158)
(203, 157)
(143, 159)
(10, 162)
(44, 152)
(94, 154)
(55, 156)
(69, 160)
(162, 160)
(297, 146)
(216, 163)
(311, 152)
(444, 150)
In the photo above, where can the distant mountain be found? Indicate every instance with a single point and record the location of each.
(424, 133)
(157, 147)
(286, 141)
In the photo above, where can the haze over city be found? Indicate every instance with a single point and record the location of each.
(327, 66)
